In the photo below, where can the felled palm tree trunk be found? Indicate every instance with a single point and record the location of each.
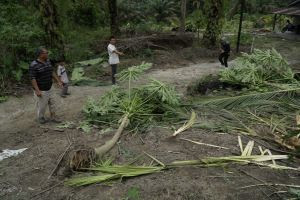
(49, 15)
(84, 156)
(214, 15)
(113, 11)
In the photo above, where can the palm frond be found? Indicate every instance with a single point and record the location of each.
(134, 72)
(186, 125)
(88, 180)
(248, 99)
(166, 93)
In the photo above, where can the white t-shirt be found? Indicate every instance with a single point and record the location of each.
(113, 56)
(62, 73)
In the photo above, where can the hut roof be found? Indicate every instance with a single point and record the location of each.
(293, 9)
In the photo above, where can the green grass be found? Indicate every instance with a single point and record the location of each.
(3, 99)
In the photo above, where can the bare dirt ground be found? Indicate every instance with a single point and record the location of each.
(26, 176)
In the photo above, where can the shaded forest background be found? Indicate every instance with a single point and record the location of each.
(71, 29)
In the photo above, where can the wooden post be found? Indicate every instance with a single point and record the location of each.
(240, 26)
(274, 21)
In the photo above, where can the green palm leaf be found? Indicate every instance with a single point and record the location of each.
(133, 73)
(248, 99)
(166, 94)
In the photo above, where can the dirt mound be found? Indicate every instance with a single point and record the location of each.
(208, 84)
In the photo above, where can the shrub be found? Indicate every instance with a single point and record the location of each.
(86, 12)
(20, 35)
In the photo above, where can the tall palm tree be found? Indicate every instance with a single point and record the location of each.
(49, 15)
(183, 15)
(113, 11)
(162, 9)
(214, 15)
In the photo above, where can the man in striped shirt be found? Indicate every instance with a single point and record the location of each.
(41, 73)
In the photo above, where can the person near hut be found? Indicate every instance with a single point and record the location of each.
(113, 57)
(225, 52)
(289, 27)
(62, 74)
(41, 73)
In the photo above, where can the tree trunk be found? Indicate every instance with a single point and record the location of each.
(183, 15)
(112, 7)
(240, 26)
(50, 23)
(214, 15)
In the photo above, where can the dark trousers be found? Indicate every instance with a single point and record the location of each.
(113, 73)
(223, 58)
(64, 90)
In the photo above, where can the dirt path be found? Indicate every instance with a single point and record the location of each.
(24, 177)
(18, 113)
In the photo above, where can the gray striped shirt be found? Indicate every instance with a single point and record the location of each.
(42, 73)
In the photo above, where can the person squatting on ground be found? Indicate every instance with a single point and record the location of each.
(225, 52)
(41, 73)
(62, 74)
(113, 58)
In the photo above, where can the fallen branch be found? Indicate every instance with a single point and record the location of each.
(186, 125)
(156, 160)
(270, 184)
(59, 161)
(259, 180)
(122, 171)
(46, 190)
(209, 145)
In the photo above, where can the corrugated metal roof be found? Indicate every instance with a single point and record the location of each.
(295, 11)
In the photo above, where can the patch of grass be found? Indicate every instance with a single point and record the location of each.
(85, 126)
(133, 194)
(3, 99)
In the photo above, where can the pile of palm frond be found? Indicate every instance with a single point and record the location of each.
(267, 110)
(258, 69)
(136, 107)
(269, 115)
(107, 172)
(143, 104)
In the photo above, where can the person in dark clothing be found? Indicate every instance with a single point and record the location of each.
(225, 52)
(289, 27)
(41, 73)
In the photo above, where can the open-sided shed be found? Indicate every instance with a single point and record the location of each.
(292, 10)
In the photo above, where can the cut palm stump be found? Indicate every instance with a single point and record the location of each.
(83, 157)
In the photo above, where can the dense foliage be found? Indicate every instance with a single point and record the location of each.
(259, 69)
(74, 26)
(266, 105)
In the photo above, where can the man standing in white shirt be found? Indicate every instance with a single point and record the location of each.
(113, 57)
